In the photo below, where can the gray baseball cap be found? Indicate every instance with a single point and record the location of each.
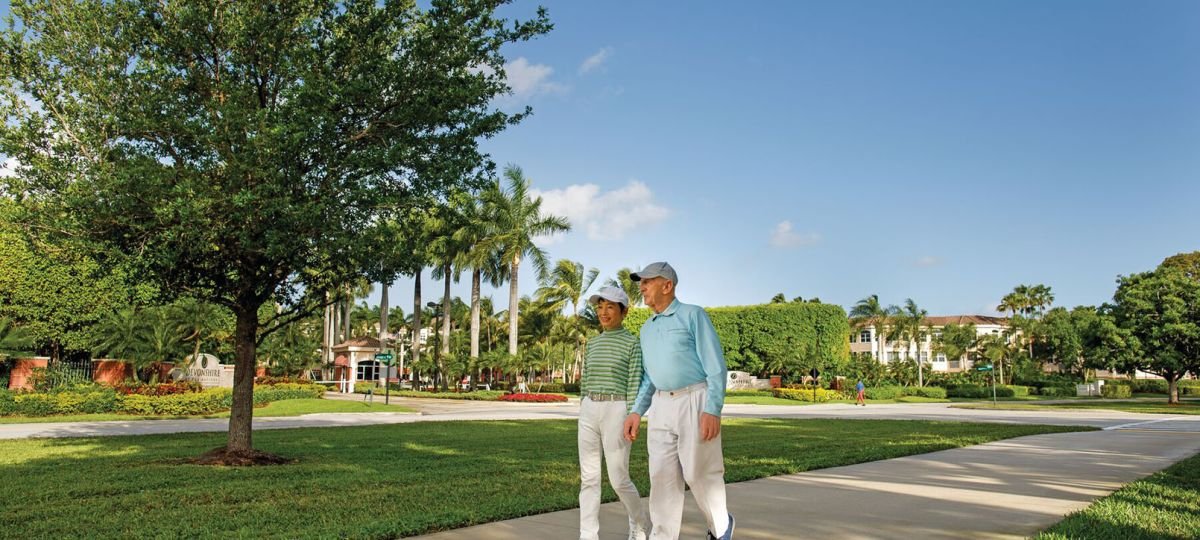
(658, 269)
(612, 294)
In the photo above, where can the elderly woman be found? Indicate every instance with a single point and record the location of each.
(612, 370)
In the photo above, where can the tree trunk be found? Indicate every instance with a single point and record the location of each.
(475, 278)
(241, 413)
(383, 321)
(349, 310)
(920, 366)
(1173, 389)
(416, 322)
(445, 348)
(512, 306)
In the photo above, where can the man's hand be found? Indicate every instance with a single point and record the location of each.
(710, 426)
(633, 423)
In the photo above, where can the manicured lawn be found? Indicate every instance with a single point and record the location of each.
(1165, 505)
(287, 407)
(389, 481)
(1156, 406)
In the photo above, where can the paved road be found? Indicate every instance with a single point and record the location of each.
(448, 410)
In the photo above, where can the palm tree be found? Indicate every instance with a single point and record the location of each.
(474, 235)
(196, 321)
(627, 284)
(519, 220)
(956, 341)
(14, 340)
(869, 312)
(566, 285)
(910, 324)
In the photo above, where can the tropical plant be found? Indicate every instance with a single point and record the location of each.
(910, 324)
(869, 312)
(625, 282)
(14, 340)
(519, 220)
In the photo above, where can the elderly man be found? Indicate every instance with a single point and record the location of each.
(684, 376)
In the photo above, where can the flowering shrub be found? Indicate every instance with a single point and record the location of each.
(268, 380)
(534, 398)
(106, 400)
(820, 395)
(164, 389)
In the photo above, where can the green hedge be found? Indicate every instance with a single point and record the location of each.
(1057, 391)
(884, 392)
(1113, 390)
(820, 395)
(935, 392)
(107, 400)
(1018, 390)
(754, 337)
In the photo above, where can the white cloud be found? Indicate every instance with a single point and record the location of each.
(9, 168)
(595, 61)
(528, 80)
(784, 237)
(603, 215)
(928, 260)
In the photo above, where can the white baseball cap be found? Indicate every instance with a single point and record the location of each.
(657, 269)
(612, 294)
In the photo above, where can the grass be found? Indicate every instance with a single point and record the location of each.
(1157, 406)
(390, 481)
(1164, 505)
(287, 407)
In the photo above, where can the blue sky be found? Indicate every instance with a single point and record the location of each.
(943, 151)
(939, 151)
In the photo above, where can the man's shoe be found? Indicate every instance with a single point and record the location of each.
(636, 531)
(729, 532)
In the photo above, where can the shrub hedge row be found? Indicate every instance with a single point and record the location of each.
(477, 395)
(820, 395)
(1116, 391)
(107, 400)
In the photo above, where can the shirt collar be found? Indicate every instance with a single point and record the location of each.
(670, 309)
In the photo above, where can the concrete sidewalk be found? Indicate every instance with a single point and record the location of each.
(1005, 489)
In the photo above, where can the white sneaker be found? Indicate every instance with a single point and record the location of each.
(636, 531)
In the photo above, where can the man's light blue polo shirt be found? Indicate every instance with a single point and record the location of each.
(680, 348)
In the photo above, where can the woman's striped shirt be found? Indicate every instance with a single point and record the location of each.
(613, 365)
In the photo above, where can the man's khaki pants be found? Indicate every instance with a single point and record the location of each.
(679, 455)
(600, 431)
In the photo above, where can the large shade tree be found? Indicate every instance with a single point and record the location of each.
(244, 153)
(1159, 313)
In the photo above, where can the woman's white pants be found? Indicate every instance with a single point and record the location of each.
(600, 425)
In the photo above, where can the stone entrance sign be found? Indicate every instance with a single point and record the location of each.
(207, 370)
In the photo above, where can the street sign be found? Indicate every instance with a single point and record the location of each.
(983, 368)
(814, 372)
(386, 358)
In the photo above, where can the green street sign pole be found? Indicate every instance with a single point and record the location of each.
(386, 358)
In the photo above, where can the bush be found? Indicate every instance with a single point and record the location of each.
(1057, 391)
(551, 387)
(1144, 386)
(207, 402)
(820, 395)
(268, 380)
(1018, 390)
(8, 403)
(534, 398)
(282, 391)
(1112, 390)
(164, 389)
(884, 392)
(365, 387)
(929, 392)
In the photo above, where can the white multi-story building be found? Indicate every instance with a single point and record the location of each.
(862, 340)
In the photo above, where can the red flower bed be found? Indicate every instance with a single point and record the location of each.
(534, 398)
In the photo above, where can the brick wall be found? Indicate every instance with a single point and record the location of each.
(22, 369)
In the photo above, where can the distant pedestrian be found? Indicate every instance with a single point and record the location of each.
(862, 393)
(612, 371)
